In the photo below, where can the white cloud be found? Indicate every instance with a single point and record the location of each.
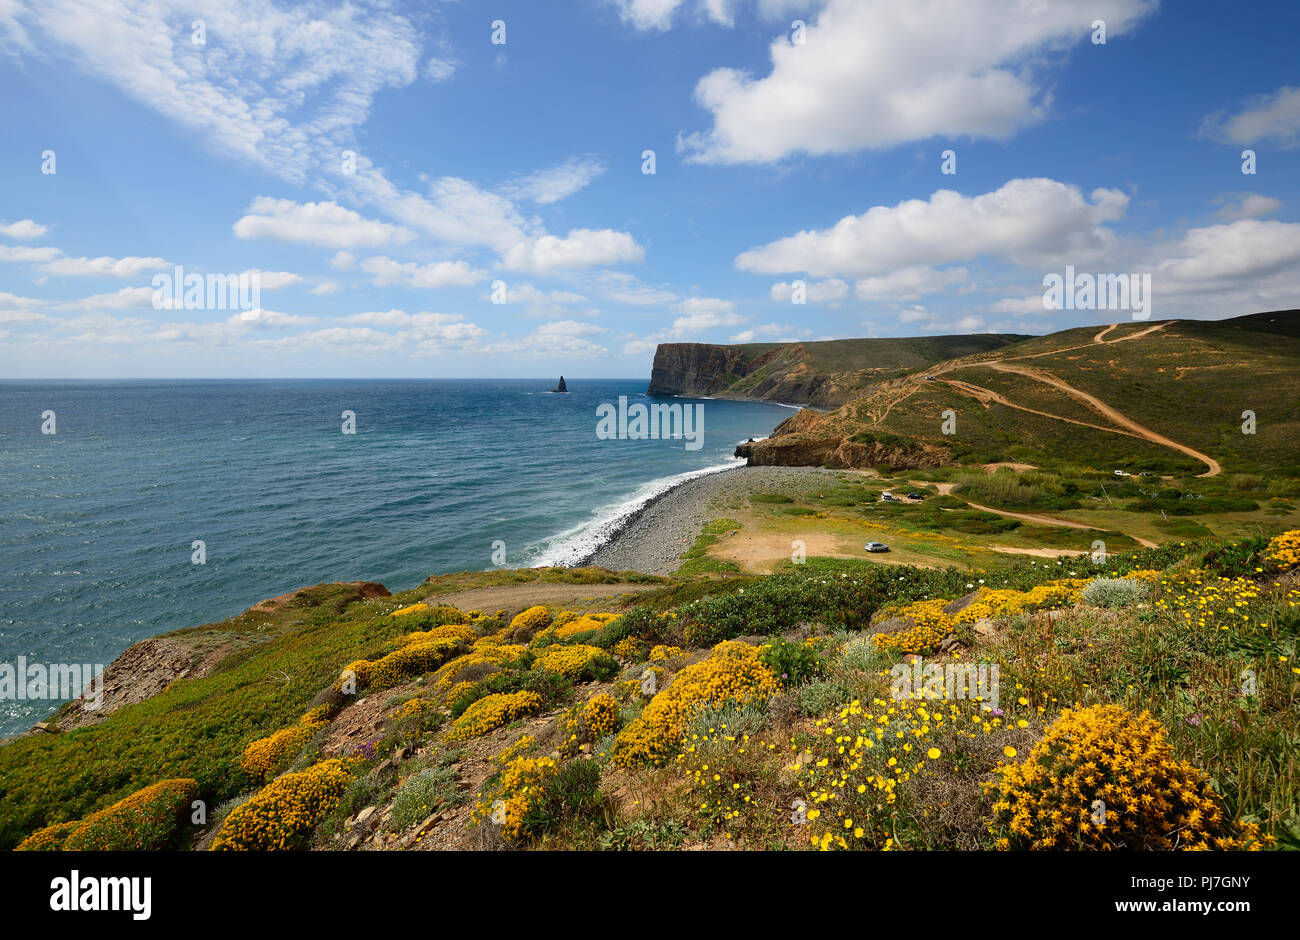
(703, 312)
(873, 74)
(316, 223)
(394, 318)
(1248, 206)
(127, 297)
(24, 228)
(624, 288)
(771, 332)
(828, 291)
(581, 248)
(104, 267)
(648, 14)
(387, 272)
(343, 261)
(279, 86)
(1026, 221)
(1228, 256)
(20, 253)
(1272, 118)
(570, 339)
(272, 280)
(908, 283)
(454, 211)
(325, 288)
(551, 185)
(439, 69)
(698, 314)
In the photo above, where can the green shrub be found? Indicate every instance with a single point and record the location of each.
(1114, 592)
(818, 698)
(423, 794)
(793, 663)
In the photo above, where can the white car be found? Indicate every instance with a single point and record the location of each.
(876, 547)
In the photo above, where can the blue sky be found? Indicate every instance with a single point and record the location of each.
(514, 171)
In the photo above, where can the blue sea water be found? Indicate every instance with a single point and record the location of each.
(97, 520)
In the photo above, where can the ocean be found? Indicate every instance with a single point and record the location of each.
(98, 520)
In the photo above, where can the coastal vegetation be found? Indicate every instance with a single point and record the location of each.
(719, 711)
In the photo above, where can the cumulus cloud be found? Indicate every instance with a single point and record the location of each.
(581, 248)
(902, 71)
(21, 253)
(1026, 221)
(23, 229)
(908, 283)
(828, 291)
(1272, 118)
(386, 272)
(272, 280)
(316, 223)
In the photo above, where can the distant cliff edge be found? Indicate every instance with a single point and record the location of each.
(822, 375)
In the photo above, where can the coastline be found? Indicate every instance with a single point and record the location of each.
(653, 538)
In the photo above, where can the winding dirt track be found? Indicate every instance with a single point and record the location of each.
(1118, 418)
(1121, 423)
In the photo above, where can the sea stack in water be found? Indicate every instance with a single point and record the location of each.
(561, 387)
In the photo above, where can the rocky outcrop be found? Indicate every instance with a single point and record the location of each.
(695, 370)
(148, 667)
(808, 440)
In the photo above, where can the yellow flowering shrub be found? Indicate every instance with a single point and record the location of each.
(492, 711)
(927, 626)
(1283, 550)
(146, 820)
(361, 669)
(414, 608)
(503, 655)
(661, 652)
(49, 839)
(587, 723)
(531, 620)
(577, 662)
(522, 782)
(630, 647)
(451, 631)
(283, 813)
(413, 660)
(731, 671)
(317, 715)
(575, 627)
(1104, 778)
(267, 755)
(412, 706)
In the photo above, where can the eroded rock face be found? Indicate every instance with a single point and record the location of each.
(694, 370)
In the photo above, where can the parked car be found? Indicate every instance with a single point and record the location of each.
(916, 496)
(876, 547)
(887, 497)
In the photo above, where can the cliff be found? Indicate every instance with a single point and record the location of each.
(824, 374)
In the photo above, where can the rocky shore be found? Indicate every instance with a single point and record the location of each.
(653, 539)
